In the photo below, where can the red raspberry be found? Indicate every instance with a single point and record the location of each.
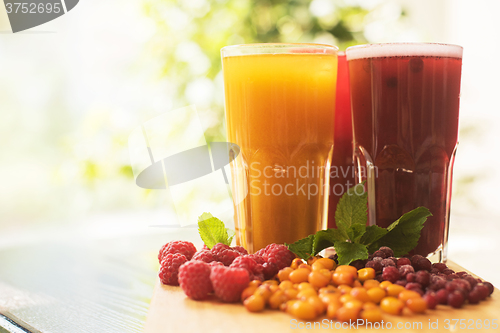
(194, 278)
(240, 249)
(247, 262)
(229, 282)
(204, 255)
(279, 255)
(224, 253)
(182, 247)
(390, 273)
(170, 268)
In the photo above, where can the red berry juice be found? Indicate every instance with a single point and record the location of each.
(405, 101)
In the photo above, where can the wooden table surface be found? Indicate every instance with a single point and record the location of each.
(172, 311)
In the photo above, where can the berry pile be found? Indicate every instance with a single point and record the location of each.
(436, 283)
(223, 270)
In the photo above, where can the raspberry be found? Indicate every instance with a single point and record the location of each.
(359, 264)
(224, 253)
(379, 254)
(205, 256)
(387, 263)
(229, 282)
(279, 255)
(423, 277)
(440, 266)
(240, 249)
(390, 273)
(194, 278)
(255, 270)
(455, 299)
(182, 247)
(411, 277)
(170, 268)
(431, 300)
(420, 263)
(442, 296)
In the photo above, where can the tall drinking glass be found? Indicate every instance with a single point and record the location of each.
(280, 105)
(405, 101)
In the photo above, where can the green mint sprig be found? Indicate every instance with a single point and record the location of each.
(353, 240)
(213, 231)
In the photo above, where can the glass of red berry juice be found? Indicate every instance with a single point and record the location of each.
(405, 101)
(342, 167)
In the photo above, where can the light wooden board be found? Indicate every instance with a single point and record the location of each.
(172, 311)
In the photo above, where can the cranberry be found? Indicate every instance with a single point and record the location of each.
(376, 265)
(448, 271)
(452, 277)
(474, 296)
(414, 259)
(456, 299)
(463, 284)
(378, 259)
(380, 254)
(472, 281)
(439, 266)
(462, 274)
(387, 263)
(358, 264)
(422, 264)
(437, 284)
(423, 277)
(390, 273)
(442, 296)
(405, 270)
(431, 300)
(403, 261)
(401, 283)
(411, 277)
(490, 287)
(387, 251)
(483, 290)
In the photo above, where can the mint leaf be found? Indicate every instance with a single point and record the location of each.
(303, 247)
(403, 234)
(355, 232)
(348, 252)
(351, 208)
(213, 231)
(326, 238)
(373, 233)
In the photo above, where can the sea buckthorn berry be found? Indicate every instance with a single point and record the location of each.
(255, 283)
(302, 310)
(318, 279)
(277, 299)
(264, 291)
(332, 308)
(355, 304)
(296, 262)
(344, 289)
(328, 298)
(273, 288)
(360, 294)
(312, 260)
(394, 290)
(284, 273)
(347, 314)
(346, 298)
(368, 284)
(407, 294)
(417, 305)
(316, 266)
(366, 274)
(286, 284)
(304, 285)
(247, 292)
(291, 293)
(271, 282)
(369, 306)
(327, 263)
(255, 303)
(385, 284)
(343, 277)
(306, 266)
(306, 293)
(327, 290)
(376, 294)
(318, 304)
(299, 275)
(392, 305)
(357, 284)
(371, 315)
(347, 268)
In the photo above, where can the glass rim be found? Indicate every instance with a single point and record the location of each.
(277, 48)
(404, 49)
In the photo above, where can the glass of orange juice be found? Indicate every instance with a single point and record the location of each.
(280, 105)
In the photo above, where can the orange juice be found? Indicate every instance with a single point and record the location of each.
(279, 111)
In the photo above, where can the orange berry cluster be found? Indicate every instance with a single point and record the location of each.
(321, 288)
